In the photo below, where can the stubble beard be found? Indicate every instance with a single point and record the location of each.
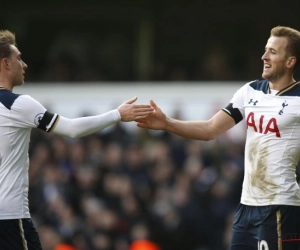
(273, 77)
(18, 82)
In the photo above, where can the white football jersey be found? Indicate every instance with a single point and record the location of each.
(272, 147)
(18, 115)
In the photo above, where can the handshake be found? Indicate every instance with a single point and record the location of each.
(146, 115)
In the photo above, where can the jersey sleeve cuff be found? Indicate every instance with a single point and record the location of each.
(116, 115)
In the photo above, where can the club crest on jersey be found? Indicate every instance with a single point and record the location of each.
(283, 106)
(252, 101)
(38, 118)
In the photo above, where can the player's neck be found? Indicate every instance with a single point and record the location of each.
(281, 83)
(2, 85)
(5, 84)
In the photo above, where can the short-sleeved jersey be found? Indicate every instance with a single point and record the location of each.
(272, 147)
(18, 115)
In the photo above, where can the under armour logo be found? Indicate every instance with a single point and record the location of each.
(283, 106)
(254, 102)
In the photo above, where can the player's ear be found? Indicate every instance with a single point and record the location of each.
(4, 63)
(291, 61)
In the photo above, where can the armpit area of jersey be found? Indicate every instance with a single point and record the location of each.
(234, 113)
(46, 121)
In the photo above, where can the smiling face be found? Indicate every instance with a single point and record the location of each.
(275, 58)
(16, 67)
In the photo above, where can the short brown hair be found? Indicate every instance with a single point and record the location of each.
(7, 38)
(293, 37)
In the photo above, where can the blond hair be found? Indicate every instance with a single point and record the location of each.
(7, 39)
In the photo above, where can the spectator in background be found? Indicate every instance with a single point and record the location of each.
(63, 246)
(143, 245)
(215, 65)
(64, 68)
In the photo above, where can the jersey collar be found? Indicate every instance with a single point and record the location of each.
(285, 89)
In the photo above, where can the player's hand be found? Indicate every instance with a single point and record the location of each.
(132, 112)
(157, 120)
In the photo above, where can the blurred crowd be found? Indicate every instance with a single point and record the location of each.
(75, 57)
(213, 66)
(110, 189)
(144, 40)
(73, 60)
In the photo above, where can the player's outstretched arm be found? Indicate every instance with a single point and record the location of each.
(78, 127)
(198, 130)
